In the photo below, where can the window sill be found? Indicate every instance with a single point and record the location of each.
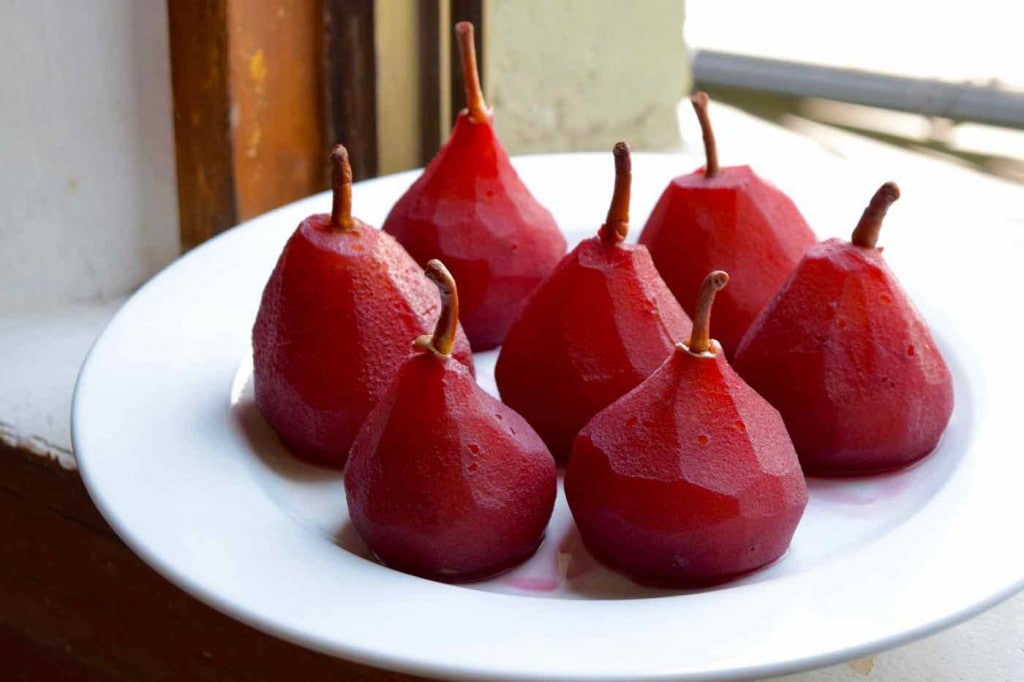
(42, 352)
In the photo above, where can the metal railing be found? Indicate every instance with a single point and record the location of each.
(955, 101)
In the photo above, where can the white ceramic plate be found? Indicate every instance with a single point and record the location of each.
(184, 469)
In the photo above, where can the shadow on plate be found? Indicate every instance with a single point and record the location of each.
(265, 444)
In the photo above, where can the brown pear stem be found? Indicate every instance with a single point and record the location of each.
(866, 232)
(700, 337)
(443, 338)
(341, 185)
(470, 74)
(616, 225)
(700, 106)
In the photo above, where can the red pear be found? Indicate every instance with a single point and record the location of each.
(592, 331)
(470, 209)
(690, 478)
(444, 481)
(725, 218)
(327, 338)
(848, 361)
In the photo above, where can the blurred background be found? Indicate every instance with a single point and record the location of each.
(133, 130)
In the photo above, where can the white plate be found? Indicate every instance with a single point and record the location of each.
(185, 471)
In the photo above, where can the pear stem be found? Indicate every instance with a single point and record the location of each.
(870, 224)
(341, 185)
(616, 225)
(443, 338)
(470, 74)
(700, 337)
(699, 100)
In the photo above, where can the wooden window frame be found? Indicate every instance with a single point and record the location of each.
(245, 143)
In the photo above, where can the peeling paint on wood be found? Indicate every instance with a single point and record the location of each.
(249, 111)
(280, 150)
(39, 447)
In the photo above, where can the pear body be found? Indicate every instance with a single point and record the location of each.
(595, 329)
(689, 479)
(733, 221)
(444, 481)
(471, 210)
(333, 325)
(844, 356)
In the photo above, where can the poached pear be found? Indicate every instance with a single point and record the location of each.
(847, 359)
(597, 327)
(729, 218)
(471, 209)
(444, 481)
(327, 337)
(690, 478)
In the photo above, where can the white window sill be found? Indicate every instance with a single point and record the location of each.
(41, 354)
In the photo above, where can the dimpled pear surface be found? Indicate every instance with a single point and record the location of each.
(471, 210)
(595, 329)
(446, 482)
(733, 221)
(335, 322)
(850, 364)
(689, 479)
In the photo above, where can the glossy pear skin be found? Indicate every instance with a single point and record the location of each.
(733, 221)
(444, 481)
(471, 210)
(595, 329)
(689, 479)
(850, 364)
(333, 326)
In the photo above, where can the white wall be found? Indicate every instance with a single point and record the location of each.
(582, 74)
(88, 202)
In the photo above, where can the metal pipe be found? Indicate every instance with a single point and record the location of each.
(927, 97)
